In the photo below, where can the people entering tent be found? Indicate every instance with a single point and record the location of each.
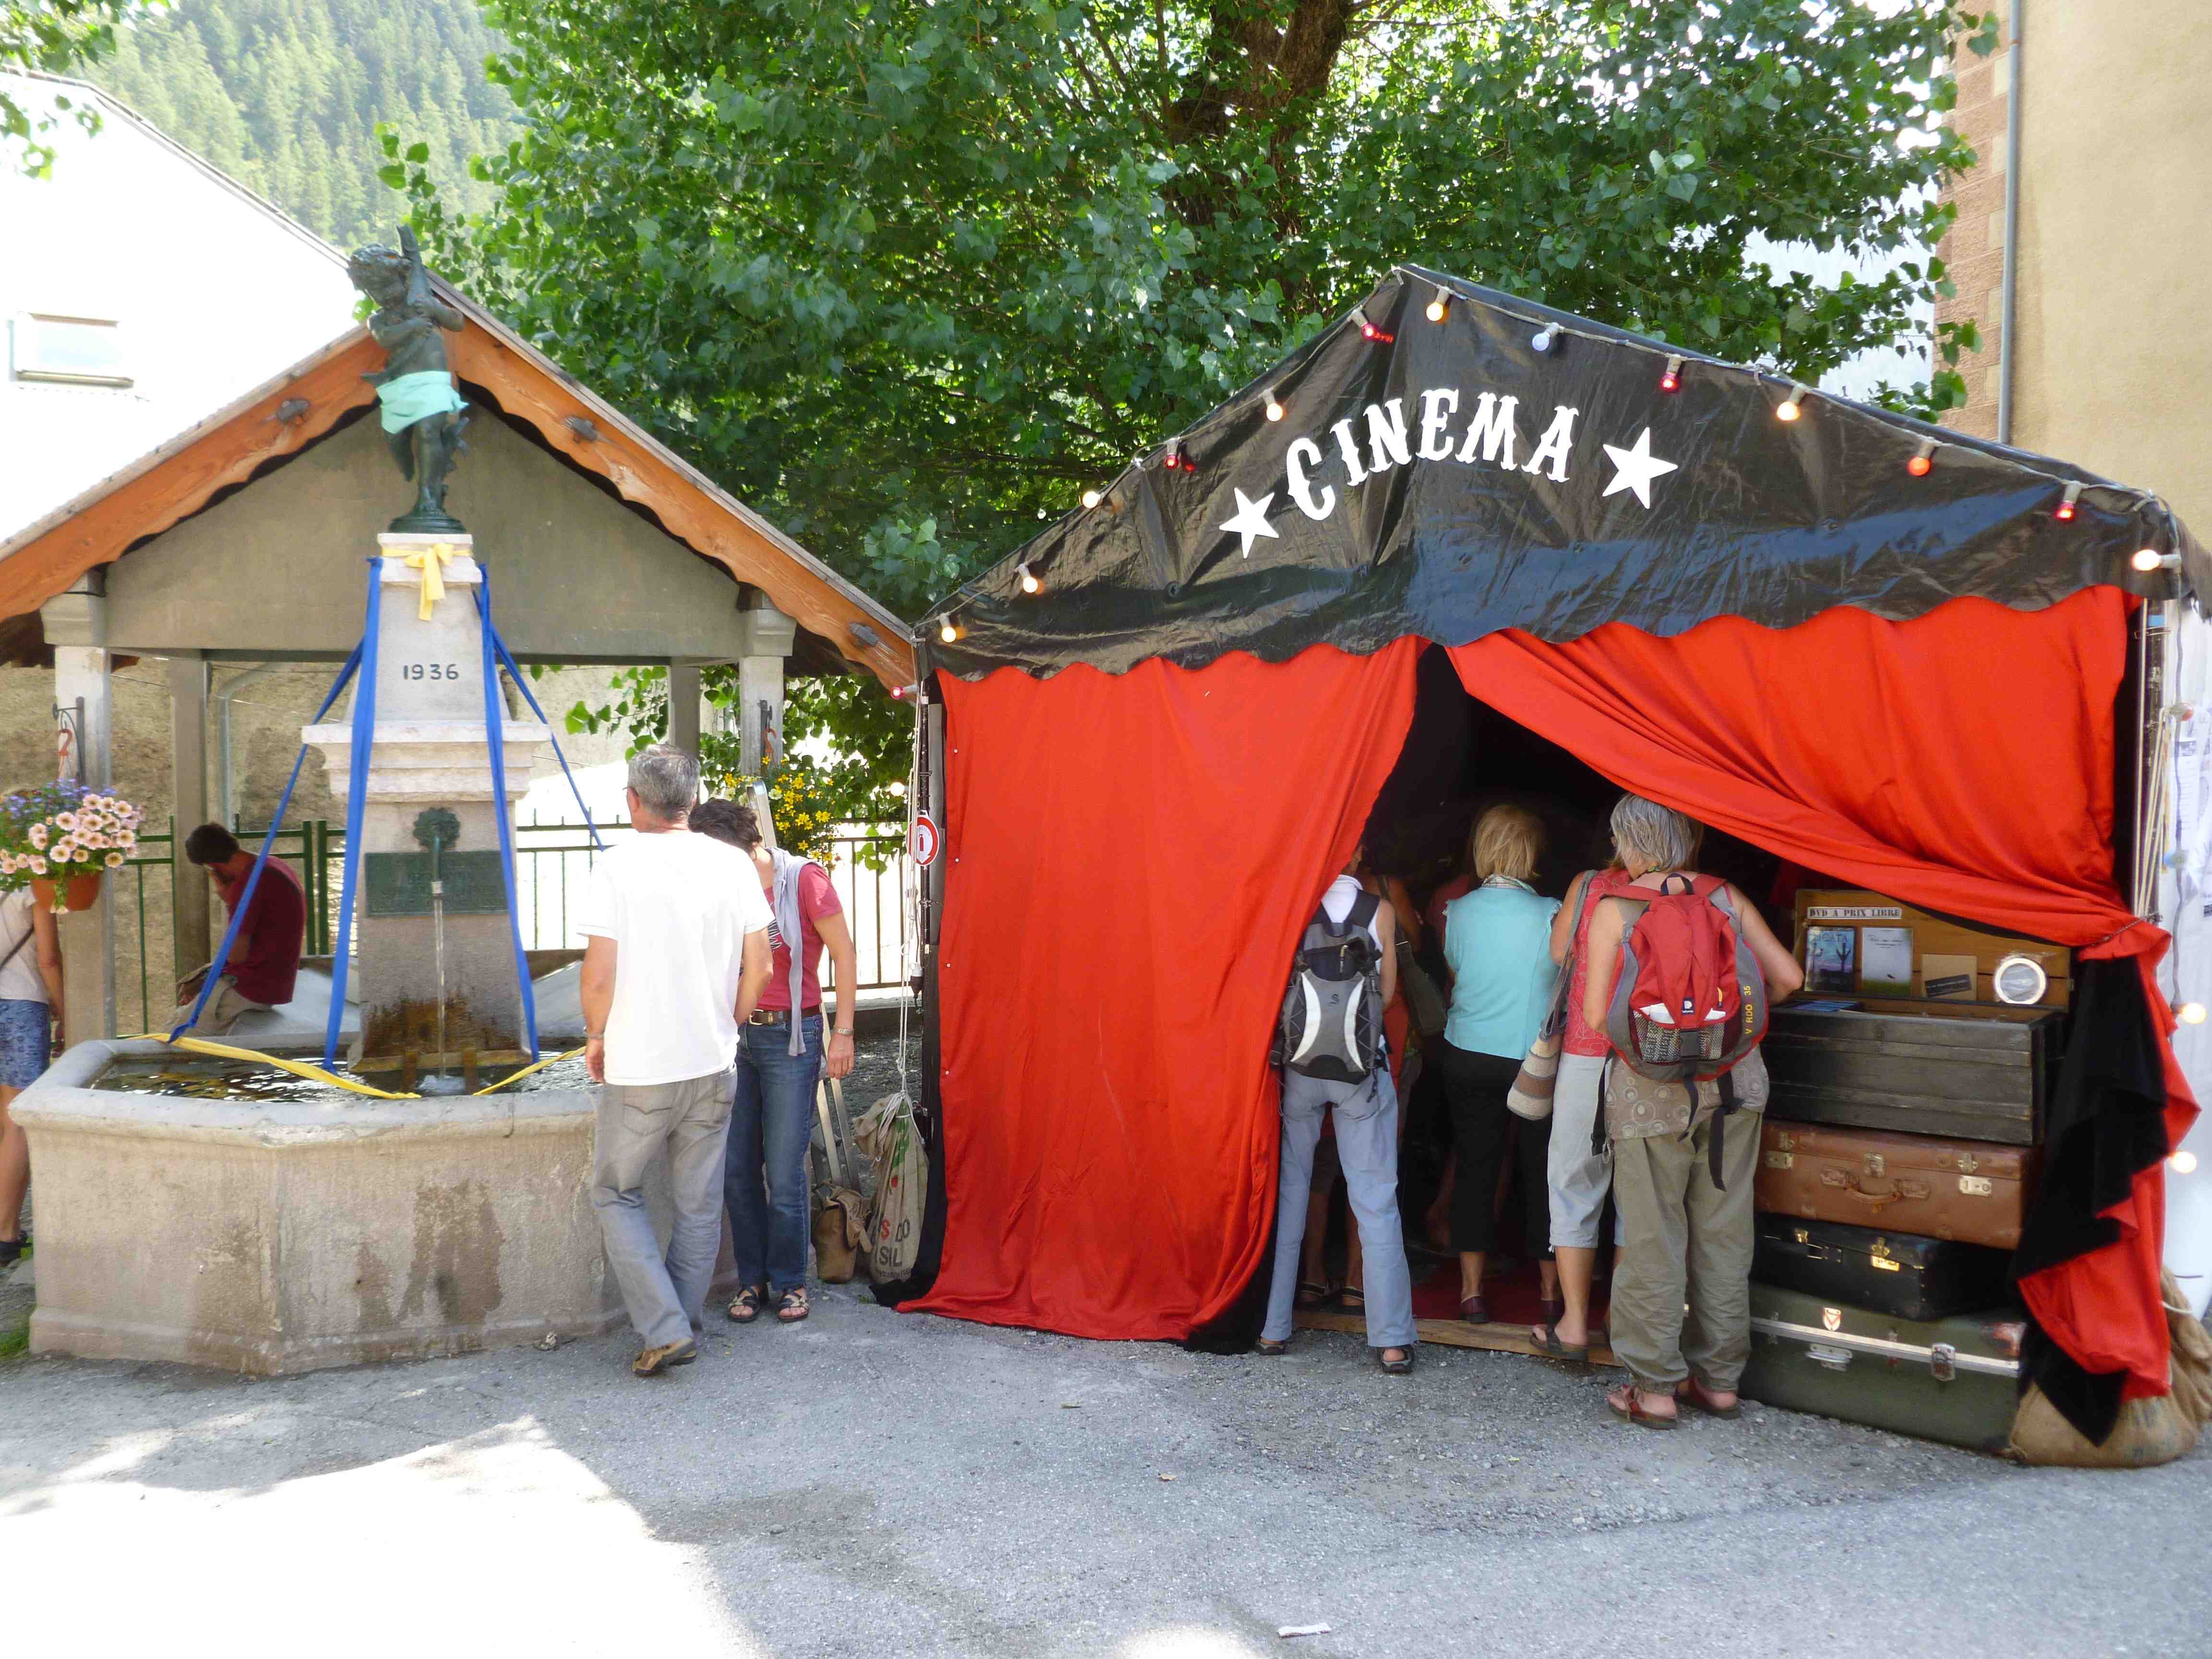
(1335, 1065)
(1497, 945)
(1674, 1076)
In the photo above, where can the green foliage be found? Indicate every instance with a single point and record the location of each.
(849, 747)
(909, 276)
(62, 37)
(285, 95)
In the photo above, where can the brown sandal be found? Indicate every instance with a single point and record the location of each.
(791, 1308)
(1626, 1403)
(1699, 1397)
(1474, 1309)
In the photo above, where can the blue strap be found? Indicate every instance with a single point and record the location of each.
(261, 859)
(495, 737)
(364, 742)
(522, 685)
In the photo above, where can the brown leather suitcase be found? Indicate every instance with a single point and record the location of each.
(1971, 1191)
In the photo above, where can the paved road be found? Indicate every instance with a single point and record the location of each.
(873, 1484)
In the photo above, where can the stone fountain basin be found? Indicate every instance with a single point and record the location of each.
(276, 1237)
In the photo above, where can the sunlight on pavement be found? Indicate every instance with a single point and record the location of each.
(502, 1539)
(1187, 1641)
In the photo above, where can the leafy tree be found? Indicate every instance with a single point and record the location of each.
(910, 275)
(847, 746)
(61, 37)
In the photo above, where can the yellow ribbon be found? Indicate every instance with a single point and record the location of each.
(315, 1073)
(431, 562)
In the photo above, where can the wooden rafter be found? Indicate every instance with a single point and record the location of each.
(689, 506)
(178, 479)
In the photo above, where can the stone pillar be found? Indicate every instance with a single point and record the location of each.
(189, 889)
(75, 625)
(430, 752)
(684, 707)
(765, 639)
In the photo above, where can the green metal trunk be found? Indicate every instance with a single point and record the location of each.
(1954, 1380)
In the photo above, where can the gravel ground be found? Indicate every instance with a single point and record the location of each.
(874, 1483)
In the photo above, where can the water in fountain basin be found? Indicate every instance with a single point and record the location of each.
(208, 1077)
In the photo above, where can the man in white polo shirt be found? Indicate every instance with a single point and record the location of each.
(677, 955)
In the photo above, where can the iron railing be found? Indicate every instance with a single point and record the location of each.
(868, 867)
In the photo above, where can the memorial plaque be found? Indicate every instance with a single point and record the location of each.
(398, 884)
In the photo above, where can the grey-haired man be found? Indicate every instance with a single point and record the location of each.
(677, 956)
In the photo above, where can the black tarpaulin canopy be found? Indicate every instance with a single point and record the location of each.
(1512, 466)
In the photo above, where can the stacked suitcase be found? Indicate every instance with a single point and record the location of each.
(1900, 1152)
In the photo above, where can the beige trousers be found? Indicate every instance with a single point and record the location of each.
(224, 1010)
(1689, 1242)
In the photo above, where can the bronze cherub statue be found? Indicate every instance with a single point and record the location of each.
(422, 412)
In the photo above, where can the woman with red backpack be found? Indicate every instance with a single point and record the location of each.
(1681, 970)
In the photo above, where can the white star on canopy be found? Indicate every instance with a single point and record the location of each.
(1251, 520)
(1634, 469)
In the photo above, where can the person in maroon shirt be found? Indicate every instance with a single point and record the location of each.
(264, 957)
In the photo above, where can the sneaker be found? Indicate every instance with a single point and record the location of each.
(651, 1362)
(13, 1250)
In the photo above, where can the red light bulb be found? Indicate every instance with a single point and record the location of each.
(1920, 466)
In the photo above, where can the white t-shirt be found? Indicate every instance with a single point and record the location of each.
(678, 907)
(1336, 904)
(19, 981)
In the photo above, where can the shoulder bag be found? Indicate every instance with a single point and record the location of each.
(1530, 1097)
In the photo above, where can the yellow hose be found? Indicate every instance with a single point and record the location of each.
(316, 1073)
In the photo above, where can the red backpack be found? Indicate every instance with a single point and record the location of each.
(1689, 1000)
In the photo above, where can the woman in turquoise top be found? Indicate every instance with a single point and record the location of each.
(1497, 942)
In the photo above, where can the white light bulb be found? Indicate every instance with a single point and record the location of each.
(1789, 408)
(2147, 560)
(1030, 583)
(2192, 1013)
(1090, 498)
(948, 633)
(1541, 341)
(2184, 1162)
(1274, 410)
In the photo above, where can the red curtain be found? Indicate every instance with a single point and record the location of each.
(1132, 860)
(1961, 762)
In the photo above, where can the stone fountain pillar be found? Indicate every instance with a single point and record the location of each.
(427, 776)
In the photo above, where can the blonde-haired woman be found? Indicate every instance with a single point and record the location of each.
(1498, 945)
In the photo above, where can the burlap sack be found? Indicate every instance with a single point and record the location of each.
(841, 1232)
(2149, 1432)
(886, 1133)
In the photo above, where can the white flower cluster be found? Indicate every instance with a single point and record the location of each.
(100, 831)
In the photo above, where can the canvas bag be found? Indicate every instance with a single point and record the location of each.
(1332, 1021)
(2149, 1432)
(841, 1232)
(887, 1134)
(1530, 1097)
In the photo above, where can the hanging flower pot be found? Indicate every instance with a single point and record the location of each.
(79, 890)
(60, 839)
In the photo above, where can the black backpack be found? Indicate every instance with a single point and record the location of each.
(1332, 1023)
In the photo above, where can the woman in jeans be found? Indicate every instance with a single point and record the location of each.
(783, 1052)
(30, 1001)
(1498, 945)
(1687, 1236)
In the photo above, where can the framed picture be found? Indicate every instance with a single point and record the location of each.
(1832, 958)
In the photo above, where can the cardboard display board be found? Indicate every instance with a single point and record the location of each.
(1861, 945)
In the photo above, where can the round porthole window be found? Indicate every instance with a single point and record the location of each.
(2019, 980)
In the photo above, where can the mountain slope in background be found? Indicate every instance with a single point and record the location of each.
(285, 95)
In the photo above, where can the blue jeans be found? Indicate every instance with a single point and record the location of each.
(1367, 1146)
(771, 1120)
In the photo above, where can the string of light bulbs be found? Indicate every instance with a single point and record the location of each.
(1548, 331)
